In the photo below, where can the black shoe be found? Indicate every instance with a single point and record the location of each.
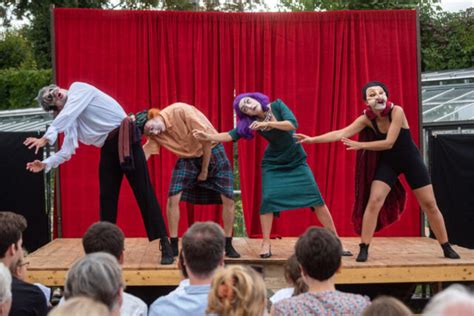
(267, 254)
(174, 246)
(346, 253)
(449, 251)
(363, 253)
(229, 249)
(166, 252)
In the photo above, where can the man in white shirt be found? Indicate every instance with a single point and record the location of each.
(86, 114)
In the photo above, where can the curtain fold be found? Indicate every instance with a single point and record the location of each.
(315, 62)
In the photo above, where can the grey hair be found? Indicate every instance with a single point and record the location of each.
(5, 284)
(39, 98)
(455, 296)
(97, 276)
(80, 306)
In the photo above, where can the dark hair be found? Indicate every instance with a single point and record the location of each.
(293, 275)
(244, 119)
(181, 265)
(203, 248)
(373, 84)
(12, 226)
(319, 251)
(104, 237)
(387, 306)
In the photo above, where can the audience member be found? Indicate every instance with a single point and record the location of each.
(203, 253)
(109, 238)
(19, 271)
(27, 299)
(455, 300)
(294, 278)
(81, 306)
(319, 253)
(387, 306)
(237, 291)
(99, 277)
(5, 290)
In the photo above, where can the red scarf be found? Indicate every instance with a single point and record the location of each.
(372, 116)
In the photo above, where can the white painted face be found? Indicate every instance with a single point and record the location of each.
(155, 126)
(56, 96)
(250, 106)
(376, 98)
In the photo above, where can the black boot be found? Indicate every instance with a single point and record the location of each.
(166, 252)
(229, 249)
(449, 251)
(363, 253)
(174, 246)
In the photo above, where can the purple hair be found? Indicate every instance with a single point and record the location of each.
(244, 119)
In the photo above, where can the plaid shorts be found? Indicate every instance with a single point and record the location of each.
(220, 179)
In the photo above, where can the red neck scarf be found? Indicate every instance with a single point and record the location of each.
(372, 116)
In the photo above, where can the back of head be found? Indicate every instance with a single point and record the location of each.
(97, 276)
(203, 248)
(5, 286)
(104, 237)
(319, 251)
(237, 290)
(387, 306)
(455, 300)
(80, 306)
(12, 226)
(293, 275)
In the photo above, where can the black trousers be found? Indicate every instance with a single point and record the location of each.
(110, 178)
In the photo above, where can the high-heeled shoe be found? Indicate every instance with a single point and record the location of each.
(268, 254)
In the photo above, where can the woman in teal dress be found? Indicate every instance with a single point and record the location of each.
(287, 180)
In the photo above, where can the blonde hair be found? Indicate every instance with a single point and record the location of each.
(80, 306)
(237, 291)
(387, 306)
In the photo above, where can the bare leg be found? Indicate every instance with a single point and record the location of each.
(324, 216)
(378, 193)
(266, 221)
(228, 215)
(172, 211)
(427, 201)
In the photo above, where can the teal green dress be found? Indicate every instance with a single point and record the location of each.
(287, 180)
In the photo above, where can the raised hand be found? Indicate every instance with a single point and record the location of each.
(258, 125)
(200, 135)
(35, 166)
(31, 142)
(351, 144)
(302, 138)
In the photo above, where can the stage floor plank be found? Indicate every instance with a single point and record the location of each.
(391, 260)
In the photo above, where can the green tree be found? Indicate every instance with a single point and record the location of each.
(15, 51)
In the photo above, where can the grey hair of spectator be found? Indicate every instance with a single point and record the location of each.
(80, 306)
(455, 300)
(5, 289)
(97, 276)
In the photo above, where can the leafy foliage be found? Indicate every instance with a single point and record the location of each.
(15, 51)
(18, 87)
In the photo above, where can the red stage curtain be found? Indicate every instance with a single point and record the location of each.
(315, 62)
(143, 59)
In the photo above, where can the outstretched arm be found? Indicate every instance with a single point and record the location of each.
(206, 157)
(220, 138)
(281, 125)
(393, 131)
(355, 127)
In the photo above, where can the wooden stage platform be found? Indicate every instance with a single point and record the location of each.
(391, 260)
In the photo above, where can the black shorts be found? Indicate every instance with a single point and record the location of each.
(410, 164)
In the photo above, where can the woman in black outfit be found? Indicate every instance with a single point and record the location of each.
(399, 154)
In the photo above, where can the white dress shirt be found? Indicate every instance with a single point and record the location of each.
(88, 116)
